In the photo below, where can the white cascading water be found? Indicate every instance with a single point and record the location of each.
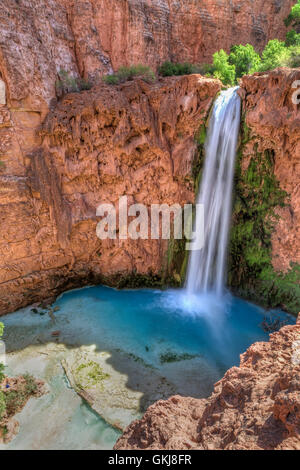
(206, 270)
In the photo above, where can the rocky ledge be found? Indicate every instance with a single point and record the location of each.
(255, 406)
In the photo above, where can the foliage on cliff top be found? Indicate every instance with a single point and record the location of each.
(168, 69)
(243, 59)
(128, 73)
(66, 83)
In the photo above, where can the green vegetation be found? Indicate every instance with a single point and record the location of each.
(14, 400)
(89, 374)
(168, 69)
(128, 73)
(222, 69)
(68, 84)
(243, 59)
(294, 17)
(251, 274)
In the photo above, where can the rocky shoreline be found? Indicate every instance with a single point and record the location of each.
(254, 407)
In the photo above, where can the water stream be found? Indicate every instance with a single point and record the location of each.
(206, 270)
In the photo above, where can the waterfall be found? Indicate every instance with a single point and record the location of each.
(206, 270)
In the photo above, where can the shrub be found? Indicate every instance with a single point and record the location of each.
(68, 84)
(272, 55)
(291, 57)
(245, 59)
(128, 73)
(292, 38)
(169, 68)
(223, 70)
(294, 17)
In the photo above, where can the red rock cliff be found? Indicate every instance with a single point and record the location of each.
(94, 146)
(90, 37)
(61, 160)
(273, 118)
(254, 407)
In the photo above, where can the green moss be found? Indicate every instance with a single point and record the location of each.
(135, 280)
(89, 374)
(16, 399)
(257, 195)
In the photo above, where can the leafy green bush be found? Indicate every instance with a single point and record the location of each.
(294, 17)
(68, 84)
(272, 55)
(223, 70)
(245, 59)
(291, 57)
(128, 73)
(169, 69)
(292, 38)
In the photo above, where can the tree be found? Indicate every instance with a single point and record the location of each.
(294, 17)
(272, 55)
(245, 59)
(223, 69)
(292, 38)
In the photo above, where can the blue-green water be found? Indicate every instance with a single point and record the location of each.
(148, 323)
(190, 341)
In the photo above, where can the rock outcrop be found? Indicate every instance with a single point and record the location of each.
(95, 146)
(254, 407)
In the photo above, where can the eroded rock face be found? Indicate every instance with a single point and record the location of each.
(273, 118)
(95, 146)
(92, 37)
(255, 406)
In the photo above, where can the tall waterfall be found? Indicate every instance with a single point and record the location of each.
(206, 270)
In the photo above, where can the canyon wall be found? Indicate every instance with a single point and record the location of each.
(60, 158)
(272, 114)
(254, 407)
(135, 139)
(92, 37)
(265, 244)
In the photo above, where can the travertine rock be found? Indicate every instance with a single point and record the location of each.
(255, 406)
(273, 117)
(95, 146)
